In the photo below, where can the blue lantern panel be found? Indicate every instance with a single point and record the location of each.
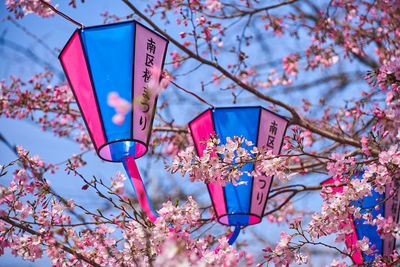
(368, 204)
(109, 50)
(230, 122)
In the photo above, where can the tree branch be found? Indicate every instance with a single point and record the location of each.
(296, 119)
(57, 244)
(250, 12)
(170, 129)
(211, 63)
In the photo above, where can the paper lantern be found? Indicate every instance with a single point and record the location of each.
(242, 204)
(389, 208)
(117, 60)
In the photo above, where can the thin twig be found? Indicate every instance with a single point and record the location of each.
(193, 94)
(250, 12)
(61, 14)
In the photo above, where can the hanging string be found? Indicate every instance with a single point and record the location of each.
(193, 94)
(61, 14)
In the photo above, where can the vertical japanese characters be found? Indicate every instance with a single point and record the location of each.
(147, 73)
(271, 132)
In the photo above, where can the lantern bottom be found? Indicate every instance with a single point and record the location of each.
(239, 219)
(115, 151)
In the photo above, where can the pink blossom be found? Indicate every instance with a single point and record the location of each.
(121, 106)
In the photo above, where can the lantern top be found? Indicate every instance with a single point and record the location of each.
(237, 107)
(109, 68)
(106, 25)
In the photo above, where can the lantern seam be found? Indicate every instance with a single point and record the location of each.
(254, 164)
(133, 85)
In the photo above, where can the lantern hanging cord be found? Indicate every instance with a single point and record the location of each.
(193, 94)
(231, 238)
(61, 14)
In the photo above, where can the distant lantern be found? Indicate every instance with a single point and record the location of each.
(242, 204)
(110, 69)
(390, 208)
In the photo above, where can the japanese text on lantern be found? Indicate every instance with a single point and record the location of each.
(145, 99)
(262, 181)
(271, 134)
(260, 194)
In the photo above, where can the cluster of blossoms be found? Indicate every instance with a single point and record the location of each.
(388, 75)
(171, 144)
(33, 227)
(338, 208)
(387, 227)
(283, 215)
(339, 211)
(117, 184)
(291, 64)
(213, 5)
(383, 172)
(51, 107)
(55, 102)
(286, 253)
(179, 216)
(222, 163)
(21, 8)
(172, 244)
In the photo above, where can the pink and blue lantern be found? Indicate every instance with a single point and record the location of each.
(244, 204)
(117, 59)
(372, 204)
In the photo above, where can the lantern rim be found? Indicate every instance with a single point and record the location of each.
(236, 213)
(219, 218)
(117, 141)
